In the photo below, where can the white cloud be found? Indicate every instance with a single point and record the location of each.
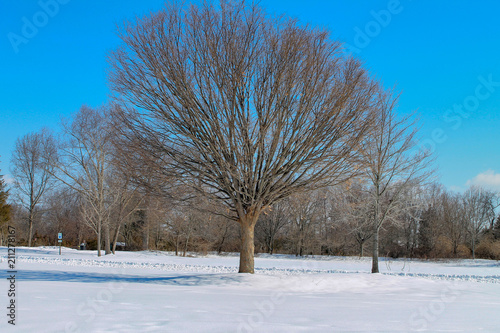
(488, 179)
(456, 188)
(8, 179)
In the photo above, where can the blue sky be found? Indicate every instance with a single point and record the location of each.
(444, 56)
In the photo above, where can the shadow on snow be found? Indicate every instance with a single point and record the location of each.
(178, 280)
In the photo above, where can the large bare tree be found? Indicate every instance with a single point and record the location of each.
(239, 105)
(32, 171)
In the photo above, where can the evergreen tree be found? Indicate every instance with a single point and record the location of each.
(425, 243)
(496, 229)
(4, 209)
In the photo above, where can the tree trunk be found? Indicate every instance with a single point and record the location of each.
(115, 238)
(473, 247)
(247, 243)
(107, 239)
(30, 232)
(177, 245)
(145, 234)
(221, 243)
(375, 252)
(99, 233)
(271, 245)
(80, 236)
(186, 246)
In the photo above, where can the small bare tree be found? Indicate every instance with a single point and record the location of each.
(393, 165)
(240, 106)
(452, 218)
(271, 223)
(32, 171)
(479, 212)
(126, 199)
(303, 214)
(356, 210)
(63, 215)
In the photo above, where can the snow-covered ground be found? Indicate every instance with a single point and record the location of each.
(158, 292)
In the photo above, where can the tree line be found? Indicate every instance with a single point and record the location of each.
(231, 130)
(434, 222)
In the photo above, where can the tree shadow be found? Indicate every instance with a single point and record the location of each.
(82, 277)
(31, 250)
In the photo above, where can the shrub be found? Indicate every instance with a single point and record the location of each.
(488, 249)
(443, 248)
(463, 251)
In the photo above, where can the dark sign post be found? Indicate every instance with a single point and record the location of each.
(59, 239)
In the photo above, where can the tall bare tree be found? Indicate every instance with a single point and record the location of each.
(32, 171)
(252, 107)
(83, 163)
(393, 165)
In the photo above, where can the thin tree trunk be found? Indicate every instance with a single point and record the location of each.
(80, 236)
(177, 245)
(186, 246)
(31, 213)
(99, 233)
(271, 245)
(115, 238)
(473, 247)
(375, 251)
(107, 239)
(145, 233)
(30, 232)
(221, 243)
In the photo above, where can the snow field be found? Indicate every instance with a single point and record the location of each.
(158, 292)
